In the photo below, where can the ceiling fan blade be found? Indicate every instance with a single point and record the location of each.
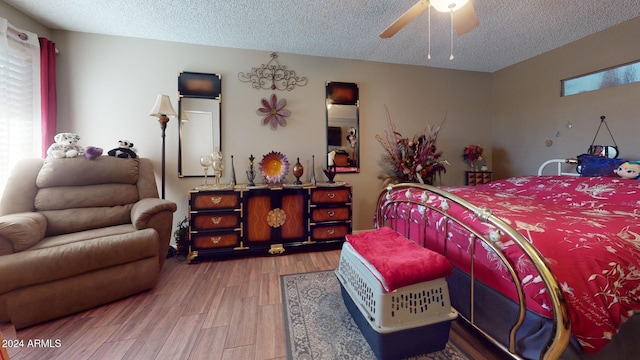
(465, 19)
(406, 18)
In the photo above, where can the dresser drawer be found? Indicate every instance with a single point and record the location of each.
(329, 232)
(330, 195)
(212, 221)
(213, 240)
(330, 214)
(215, 200)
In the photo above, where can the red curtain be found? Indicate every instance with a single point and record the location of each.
(48, 92)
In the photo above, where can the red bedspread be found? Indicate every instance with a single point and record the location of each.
(586, 228)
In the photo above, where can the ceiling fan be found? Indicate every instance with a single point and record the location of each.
(463, 15)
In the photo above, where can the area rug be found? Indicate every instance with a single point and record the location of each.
(319, 326)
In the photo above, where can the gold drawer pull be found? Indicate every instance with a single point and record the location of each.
(216, 199)
(331, 195)
(331, 231)
(216, 239)
(216, 220)
(331, 213)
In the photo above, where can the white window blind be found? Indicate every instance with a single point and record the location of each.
(20, 116)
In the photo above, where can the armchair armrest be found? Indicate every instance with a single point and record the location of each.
(21, 230)
(157, 214)
(143, 211)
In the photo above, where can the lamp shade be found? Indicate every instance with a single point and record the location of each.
(162, 107)
(448, 5)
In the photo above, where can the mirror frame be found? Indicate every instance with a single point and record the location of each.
(202, 88)
(344, 94)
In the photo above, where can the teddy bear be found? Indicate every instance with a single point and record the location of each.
(65, 146)
(629, 170)
(124, 150)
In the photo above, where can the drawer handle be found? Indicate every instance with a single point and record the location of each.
(331, 195)
(216, 220)
(331, 231)
(331, 213)
(216, 239)
(216, 199)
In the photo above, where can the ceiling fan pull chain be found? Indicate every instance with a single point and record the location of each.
(429, 51)
(451, 22)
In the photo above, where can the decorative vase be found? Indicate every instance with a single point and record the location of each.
(312, 179)
(233, 173)
(298, 170)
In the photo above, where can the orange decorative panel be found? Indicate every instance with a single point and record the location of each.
(258, 228)
(294, 206)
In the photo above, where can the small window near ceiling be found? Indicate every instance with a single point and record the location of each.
(619, 75)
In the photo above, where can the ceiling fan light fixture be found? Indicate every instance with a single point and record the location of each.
(448, 5)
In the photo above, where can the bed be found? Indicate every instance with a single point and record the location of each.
(546, 266)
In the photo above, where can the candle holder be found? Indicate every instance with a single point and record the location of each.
(251, 174)
(217, 164)
(205, 162)
(330, 172)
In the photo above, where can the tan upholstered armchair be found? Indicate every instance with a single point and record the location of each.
(78, 233)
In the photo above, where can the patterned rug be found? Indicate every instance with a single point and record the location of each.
(319, 326)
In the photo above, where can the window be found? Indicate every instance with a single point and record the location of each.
(20, 117)
(619, 75)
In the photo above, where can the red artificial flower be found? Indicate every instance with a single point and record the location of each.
(472, 152)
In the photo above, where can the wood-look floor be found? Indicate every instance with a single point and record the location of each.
(229, 309)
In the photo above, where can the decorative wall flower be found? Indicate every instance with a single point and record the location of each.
(274, 112)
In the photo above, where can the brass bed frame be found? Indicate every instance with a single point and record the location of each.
(561, 329)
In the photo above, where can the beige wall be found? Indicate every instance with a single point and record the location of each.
(527, 108)
(107, 85)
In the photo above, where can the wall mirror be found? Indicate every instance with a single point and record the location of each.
(199, 120)
(343, 125)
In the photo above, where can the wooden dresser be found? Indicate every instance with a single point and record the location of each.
(267, 220)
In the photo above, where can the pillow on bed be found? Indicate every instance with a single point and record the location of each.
(589, 165)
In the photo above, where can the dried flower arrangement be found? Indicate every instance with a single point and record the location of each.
(411, 160)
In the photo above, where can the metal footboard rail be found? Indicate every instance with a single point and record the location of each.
(561, 330)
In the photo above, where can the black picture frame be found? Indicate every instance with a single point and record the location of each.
(199, 85)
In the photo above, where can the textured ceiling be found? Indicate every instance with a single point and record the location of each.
(510, 31)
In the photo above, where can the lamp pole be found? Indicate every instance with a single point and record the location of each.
(164, 119)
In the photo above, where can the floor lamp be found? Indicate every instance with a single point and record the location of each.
(162, 110)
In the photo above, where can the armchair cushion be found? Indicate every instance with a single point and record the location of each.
(78, 171)
(22, 230)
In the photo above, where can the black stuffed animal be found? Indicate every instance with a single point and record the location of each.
(125, 150)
